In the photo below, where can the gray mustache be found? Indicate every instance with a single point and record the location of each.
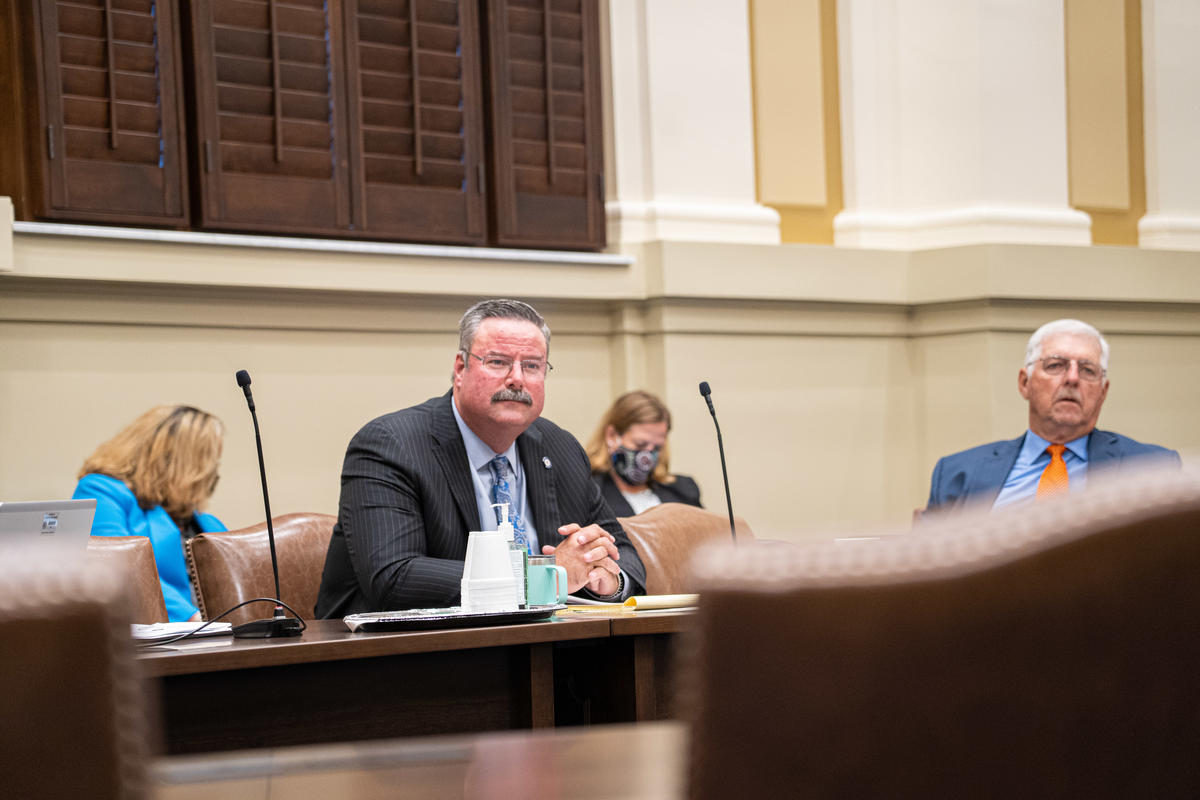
(519, 396)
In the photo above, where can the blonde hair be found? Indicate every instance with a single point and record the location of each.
(168, 456)
(626, 411)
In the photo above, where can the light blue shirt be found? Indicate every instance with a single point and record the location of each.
(1021, 484)
(479, 456)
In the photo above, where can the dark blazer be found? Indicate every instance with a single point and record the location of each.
(976, 476)
(683, 490)
(408, 503)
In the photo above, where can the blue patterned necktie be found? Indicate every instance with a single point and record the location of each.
(502, 494)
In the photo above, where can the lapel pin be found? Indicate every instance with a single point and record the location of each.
(546, 461)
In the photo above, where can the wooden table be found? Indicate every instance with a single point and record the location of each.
(633, 762)
(626, 677)
(334, 685)
(331, 685)
(644, 648)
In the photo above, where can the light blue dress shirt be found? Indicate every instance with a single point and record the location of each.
(479, 456)
(1020, 486)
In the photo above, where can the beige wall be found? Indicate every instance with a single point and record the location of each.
(839, 375)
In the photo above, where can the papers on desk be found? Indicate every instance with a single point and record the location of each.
(648, 602)
(162, 631)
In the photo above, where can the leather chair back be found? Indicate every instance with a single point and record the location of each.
(73, 706)
(133, 556)
(1047, 651)
(666, 536)
(232, 566)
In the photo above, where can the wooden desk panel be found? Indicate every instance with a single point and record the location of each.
(642, 660)
(333, 685)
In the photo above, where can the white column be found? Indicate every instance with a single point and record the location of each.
(1171, 75)
(6, 239)
(679, 135)
(954, 124)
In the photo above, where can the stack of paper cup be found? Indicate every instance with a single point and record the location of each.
(487, 582)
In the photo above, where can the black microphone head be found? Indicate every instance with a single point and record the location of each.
(243, 378)
(704, 390)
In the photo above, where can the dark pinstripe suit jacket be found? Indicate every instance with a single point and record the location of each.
(407, 504)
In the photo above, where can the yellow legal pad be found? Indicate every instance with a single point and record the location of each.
(649, 602)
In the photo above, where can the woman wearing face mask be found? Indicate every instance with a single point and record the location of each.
(629, 456)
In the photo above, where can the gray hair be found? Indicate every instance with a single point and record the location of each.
(1033, 350)
(468, 326)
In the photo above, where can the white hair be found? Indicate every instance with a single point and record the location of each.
(1033, 350)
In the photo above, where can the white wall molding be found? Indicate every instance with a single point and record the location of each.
(1166, 232)
(637, 221)
(962, 226)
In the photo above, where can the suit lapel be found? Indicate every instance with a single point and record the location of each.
(451, 455)
(540, 489)
(988, 480)
(1103, 450)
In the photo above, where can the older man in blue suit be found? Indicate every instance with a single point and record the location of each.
(1065, 381)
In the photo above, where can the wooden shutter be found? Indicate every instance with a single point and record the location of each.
(110, 103)
(269, 104)
(416, 119)
(544, 79)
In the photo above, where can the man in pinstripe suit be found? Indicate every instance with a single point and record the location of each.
(415, 482)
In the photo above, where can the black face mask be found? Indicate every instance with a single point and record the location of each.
(634, 466)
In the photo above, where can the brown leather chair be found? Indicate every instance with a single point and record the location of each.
(1050, 651)
(666, 535)
(233, 566)
(73, 706)
(133, 556)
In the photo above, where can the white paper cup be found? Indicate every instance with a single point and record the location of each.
(487, 557)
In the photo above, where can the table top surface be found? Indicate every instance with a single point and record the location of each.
(627, 761)
(331, 640)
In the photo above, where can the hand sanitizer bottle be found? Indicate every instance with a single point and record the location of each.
(518, 556)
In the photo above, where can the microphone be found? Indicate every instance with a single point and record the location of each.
(243, 380)
(278, 625)
(706, 393)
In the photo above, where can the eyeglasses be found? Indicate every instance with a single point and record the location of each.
(1054, 366)
(499, 366)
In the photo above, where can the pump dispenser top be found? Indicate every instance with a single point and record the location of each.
(505, 527)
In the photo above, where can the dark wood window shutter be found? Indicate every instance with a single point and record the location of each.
(269, 104)
(110, 102)
(416, 147)
(544, 80)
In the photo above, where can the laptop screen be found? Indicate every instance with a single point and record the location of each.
(65, 523)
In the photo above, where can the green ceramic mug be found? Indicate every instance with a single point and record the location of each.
(547, 582)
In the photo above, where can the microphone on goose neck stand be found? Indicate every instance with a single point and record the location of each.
(706, 393)
(278, 625)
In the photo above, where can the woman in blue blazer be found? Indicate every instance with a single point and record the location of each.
(152, 479)
(630, 458)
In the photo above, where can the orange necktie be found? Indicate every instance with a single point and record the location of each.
(1054, 476)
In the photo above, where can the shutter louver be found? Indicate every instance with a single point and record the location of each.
(546, 126)
(268, 110)
(113, 142)
(414, 106)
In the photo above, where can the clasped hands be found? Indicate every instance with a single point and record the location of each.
(589, 555)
